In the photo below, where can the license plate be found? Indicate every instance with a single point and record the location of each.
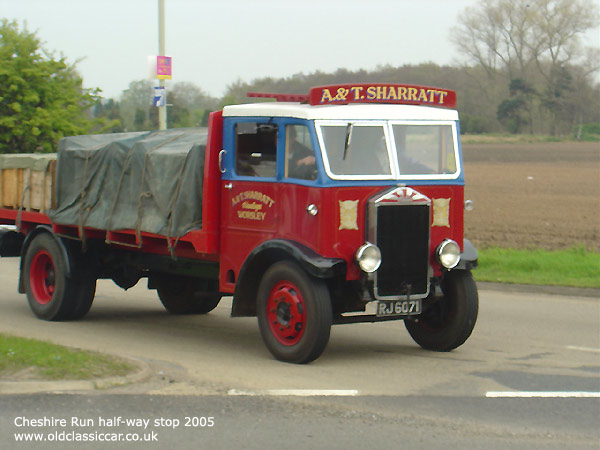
(398, 307)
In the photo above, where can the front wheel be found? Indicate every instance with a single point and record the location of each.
(449, 322)
(294, 313)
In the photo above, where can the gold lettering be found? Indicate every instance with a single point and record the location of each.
(442, 95)
(356, 91)
(412, 94)
(251, 215)
(326, 96)
(381, 92)
(402, 93)
(392, 94)
(252, 195)
(371, 93)
(422, 95)
(341, 94)
(254, 206)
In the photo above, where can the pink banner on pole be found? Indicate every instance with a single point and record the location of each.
(164, 68)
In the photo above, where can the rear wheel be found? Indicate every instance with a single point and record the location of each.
(448, 323)
(51, 294)
(294, 313)
(187, 295)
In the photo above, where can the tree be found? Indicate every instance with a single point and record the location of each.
(186, 103)
(515, 35)
(41, 96)
(108, 112)
(495, 34)
(515, 112)
(192, 97)
(535, 41)
(135, 105)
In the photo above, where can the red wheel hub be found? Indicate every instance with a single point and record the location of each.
(42, 277)
(286, 313)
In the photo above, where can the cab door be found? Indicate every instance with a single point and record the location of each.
(250, 192)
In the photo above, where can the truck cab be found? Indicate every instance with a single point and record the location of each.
(359, 188)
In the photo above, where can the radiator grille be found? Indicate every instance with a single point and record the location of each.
(402, 235)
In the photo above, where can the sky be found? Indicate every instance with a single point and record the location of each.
(214, 43)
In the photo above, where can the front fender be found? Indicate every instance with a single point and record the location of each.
(468, 258)
(270, 252)
(311, 261)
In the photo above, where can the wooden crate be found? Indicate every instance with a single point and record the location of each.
(30, 187)
(11, 182)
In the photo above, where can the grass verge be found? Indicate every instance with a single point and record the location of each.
(573, 267)
(28, 358)
(495, 138)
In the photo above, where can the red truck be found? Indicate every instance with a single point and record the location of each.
(341, 206)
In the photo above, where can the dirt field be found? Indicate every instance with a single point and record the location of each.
(543, 195)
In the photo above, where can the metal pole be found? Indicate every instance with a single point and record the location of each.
(162, 110)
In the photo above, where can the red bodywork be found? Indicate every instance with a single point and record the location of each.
(287, 218)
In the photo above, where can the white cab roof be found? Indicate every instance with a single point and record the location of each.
(347, 112)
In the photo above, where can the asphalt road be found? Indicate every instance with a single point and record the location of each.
(394, 395)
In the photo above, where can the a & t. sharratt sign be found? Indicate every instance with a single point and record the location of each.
(382, 93)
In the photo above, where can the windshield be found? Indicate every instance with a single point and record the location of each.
(388, 150)
(346, 146)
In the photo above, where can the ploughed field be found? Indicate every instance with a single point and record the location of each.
(540, 195)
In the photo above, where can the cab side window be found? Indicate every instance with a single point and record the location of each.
(256, 149)
(299, 154)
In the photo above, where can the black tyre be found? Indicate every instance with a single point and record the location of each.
(50, 293)
(294, 313)
(85, 298)
(448, 323)
(187, 295)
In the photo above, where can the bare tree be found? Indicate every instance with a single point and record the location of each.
(557, 27)
(513, 34)
(496, 34)
(534, 41)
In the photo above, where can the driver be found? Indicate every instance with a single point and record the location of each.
(301, 158)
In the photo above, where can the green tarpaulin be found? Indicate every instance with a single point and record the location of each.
(145, 181)
(33, 161)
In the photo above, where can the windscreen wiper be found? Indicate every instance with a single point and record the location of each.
(348, 140)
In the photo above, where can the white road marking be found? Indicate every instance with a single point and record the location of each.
(295, 392)
(542, 394)
(583, 349)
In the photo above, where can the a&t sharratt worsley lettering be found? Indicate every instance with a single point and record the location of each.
(337, 207)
